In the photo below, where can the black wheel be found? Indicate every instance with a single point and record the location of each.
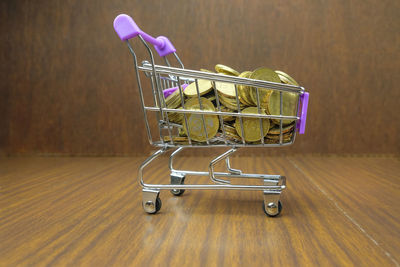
(178, 192)
(272, 212)
(158, 204)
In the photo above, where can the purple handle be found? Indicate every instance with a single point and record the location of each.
(126, 29)
(169, 91)
(301, 124)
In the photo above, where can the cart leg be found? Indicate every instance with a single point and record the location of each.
(171, 159)
(231, 170)
(215, 161)
(272, 205)
(177, 178)
(146, 162)
(151, 201)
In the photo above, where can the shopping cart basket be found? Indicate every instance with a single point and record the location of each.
(164, 80)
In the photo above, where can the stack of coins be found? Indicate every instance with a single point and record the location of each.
(273, 136)
(173, 101)
(176, 117)
(231, 133)
(231, 98)
(227, 96)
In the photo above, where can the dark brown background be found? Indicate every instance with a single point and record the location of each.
(68, 86)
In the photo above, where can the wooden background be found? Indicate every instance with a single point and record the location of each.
(68, 86)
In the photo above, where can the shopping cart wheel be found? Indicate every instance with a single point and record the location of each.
(177, 192)
(150, 204)
(177, 179)
(151, 201)
(272, 209)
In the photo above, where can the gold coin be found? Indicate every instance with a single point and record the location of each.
(230, 132)
(227, 117)
(173, 100)
(211, 98)
(286, 78)
(285, 136)
(210, 95)
(230, 137)
(271, 141)
(230, 103)
(226, 89)
(264, 74)
(176, 139)
(193, 104)
(275, 129)
(205, 86)
(226, 70)
(289, 103)
(177, 103)
(251, 126)
(233, 137)
(244, 91)
(175, 117)
(229, 128)
(195, 121)
(205, 70)
(181, 132)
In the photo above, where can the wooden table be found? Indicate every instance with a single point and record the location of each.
(87, 211)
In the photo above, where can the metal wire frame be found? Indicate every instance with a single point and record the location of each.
(179, 76)
(182, 76)
(219, 184)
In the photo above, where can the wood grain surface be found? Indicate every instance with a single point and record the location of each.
(338, 211)
(68, 87)
(366, 188)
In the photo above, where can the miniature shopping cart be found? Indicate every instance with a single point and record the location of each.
(161, 80)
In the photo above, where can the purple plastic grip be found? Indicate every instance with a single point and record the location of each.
(301, 124)
(169, 91)
(126, 29)
(167, 47)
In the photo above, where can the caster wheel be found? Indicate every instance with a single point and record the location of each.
(157, 207)
(178, 192)
(272, 210)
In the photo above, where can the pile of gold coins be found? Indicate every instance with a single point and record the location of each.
(247, 100)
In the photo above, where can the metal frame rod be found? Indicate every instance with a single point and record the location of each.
(223, 113)
(222, 78)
